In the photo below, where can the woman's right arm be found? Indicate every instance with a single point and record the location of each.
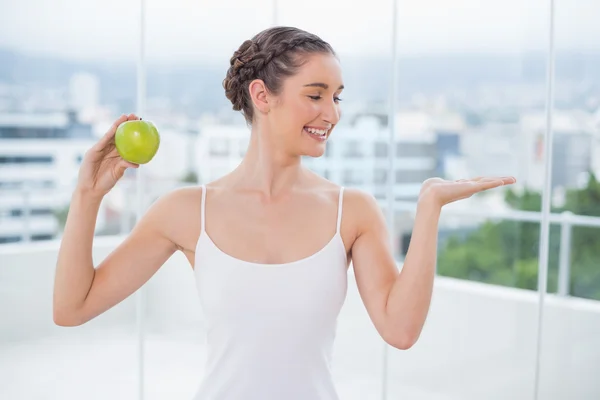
(81, 291)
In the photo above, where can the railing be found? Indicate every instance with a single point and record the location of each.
(567, 220)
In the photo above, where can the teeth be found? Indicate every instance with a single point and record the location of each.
(320, 132)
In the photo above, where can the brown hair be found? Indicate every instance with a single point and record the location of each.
(271, 56)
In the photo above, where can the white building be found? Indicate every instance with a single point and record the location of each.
(219, 149)
(39, 164)
(494, 149)
(572, 151)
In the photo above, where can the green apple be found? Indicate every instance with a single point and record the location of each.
(137, 141)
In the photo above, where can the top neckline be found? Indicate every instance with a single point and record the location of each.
(337, 237)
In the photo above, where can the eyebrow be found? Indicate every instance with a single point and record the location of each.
(322, 85)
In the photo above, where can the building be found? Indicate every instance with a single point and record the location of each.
(572, 150)
(219, 148)
(40, 155)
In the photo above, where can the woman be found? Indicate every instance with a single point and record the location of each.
(270, 242)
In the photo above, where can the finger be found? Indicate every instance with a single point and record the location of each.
(126, 164)
(490, 184)
(506, 180)
(114, 153)
(132, 117)
(471, 180)
(110, 134)
(509, 180)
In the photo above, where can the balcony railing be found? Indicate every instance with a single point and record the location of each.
(566, 220)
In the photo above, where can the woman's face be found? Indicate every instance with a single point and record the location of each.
(302, 116)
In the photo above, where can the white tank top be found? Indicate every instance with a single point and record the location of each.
(270, 327)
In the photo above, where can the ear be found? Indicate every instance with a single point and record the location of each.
(259, 95)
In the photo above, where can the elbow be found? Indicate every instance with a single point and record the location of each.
(401, 344)
(61, 320)
(65, 319)
(401, 340)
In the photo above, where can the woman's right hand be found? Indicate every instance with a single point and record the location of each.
(102, 166)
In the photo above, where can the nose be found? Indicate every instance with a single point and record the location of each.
(331, 112)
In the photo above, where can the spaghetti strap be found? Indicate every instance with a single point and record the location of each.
(339, 216)
(202, 209)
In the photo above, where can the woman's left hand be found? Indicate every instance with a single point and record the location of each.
(443, 192)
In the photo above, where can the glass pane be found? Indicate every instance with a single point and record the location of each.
(66, 73)
(571, 325)
(361, 36)
(467, 88)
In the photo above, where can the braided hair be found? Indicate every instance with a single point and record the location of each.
(271, 56)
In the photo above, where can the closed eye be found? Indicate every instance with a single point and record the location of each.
(336, 99)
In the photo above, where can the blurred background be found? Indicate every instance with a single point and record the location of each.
(452, 89)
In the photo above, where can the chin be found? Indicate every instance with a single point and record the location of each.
(315, 151)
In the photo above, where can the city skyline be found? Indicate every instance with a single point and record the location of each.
(184, 31)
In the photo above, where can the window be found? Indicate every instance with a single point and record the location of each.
(26, 159)
(409, 176)
(353, 149)
(380, 176)
(9, 239)
(408, 149)
(353, 177)
(381, 150)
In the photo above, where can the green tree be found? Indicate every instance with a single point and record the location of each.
(190, 177)
(506, 252)
(61, 216)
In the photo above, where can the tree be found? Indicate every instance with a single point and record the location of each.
(61, 216)
(190, 177)
(506, 252)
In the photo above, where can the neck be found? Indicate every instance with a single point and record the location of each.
(267, 167)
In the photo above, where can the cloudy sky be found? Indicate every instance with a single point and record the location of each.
(192, 30)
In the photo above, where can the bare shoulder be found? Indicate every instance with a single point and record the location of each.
(361, 211)
(359, 199)
(176, 214)
(360, 204)
(185, 197)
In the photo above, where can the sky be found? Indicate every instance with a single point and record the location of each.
(180, 31)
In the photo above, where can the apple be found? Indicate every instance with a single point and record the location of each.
(137, 141)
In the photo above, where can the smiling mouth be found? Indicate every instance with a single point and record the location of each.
(316, 133)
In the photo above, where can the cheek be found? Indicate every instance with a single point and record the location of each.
(298, 112)
(306, 110)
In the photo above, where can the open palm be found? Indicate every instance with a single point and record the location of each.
(445, 191)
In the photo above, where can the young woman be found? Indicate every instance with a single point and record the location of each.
(270, 242)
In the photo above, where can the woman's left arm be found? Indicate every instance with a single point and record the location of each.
(398, 302)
